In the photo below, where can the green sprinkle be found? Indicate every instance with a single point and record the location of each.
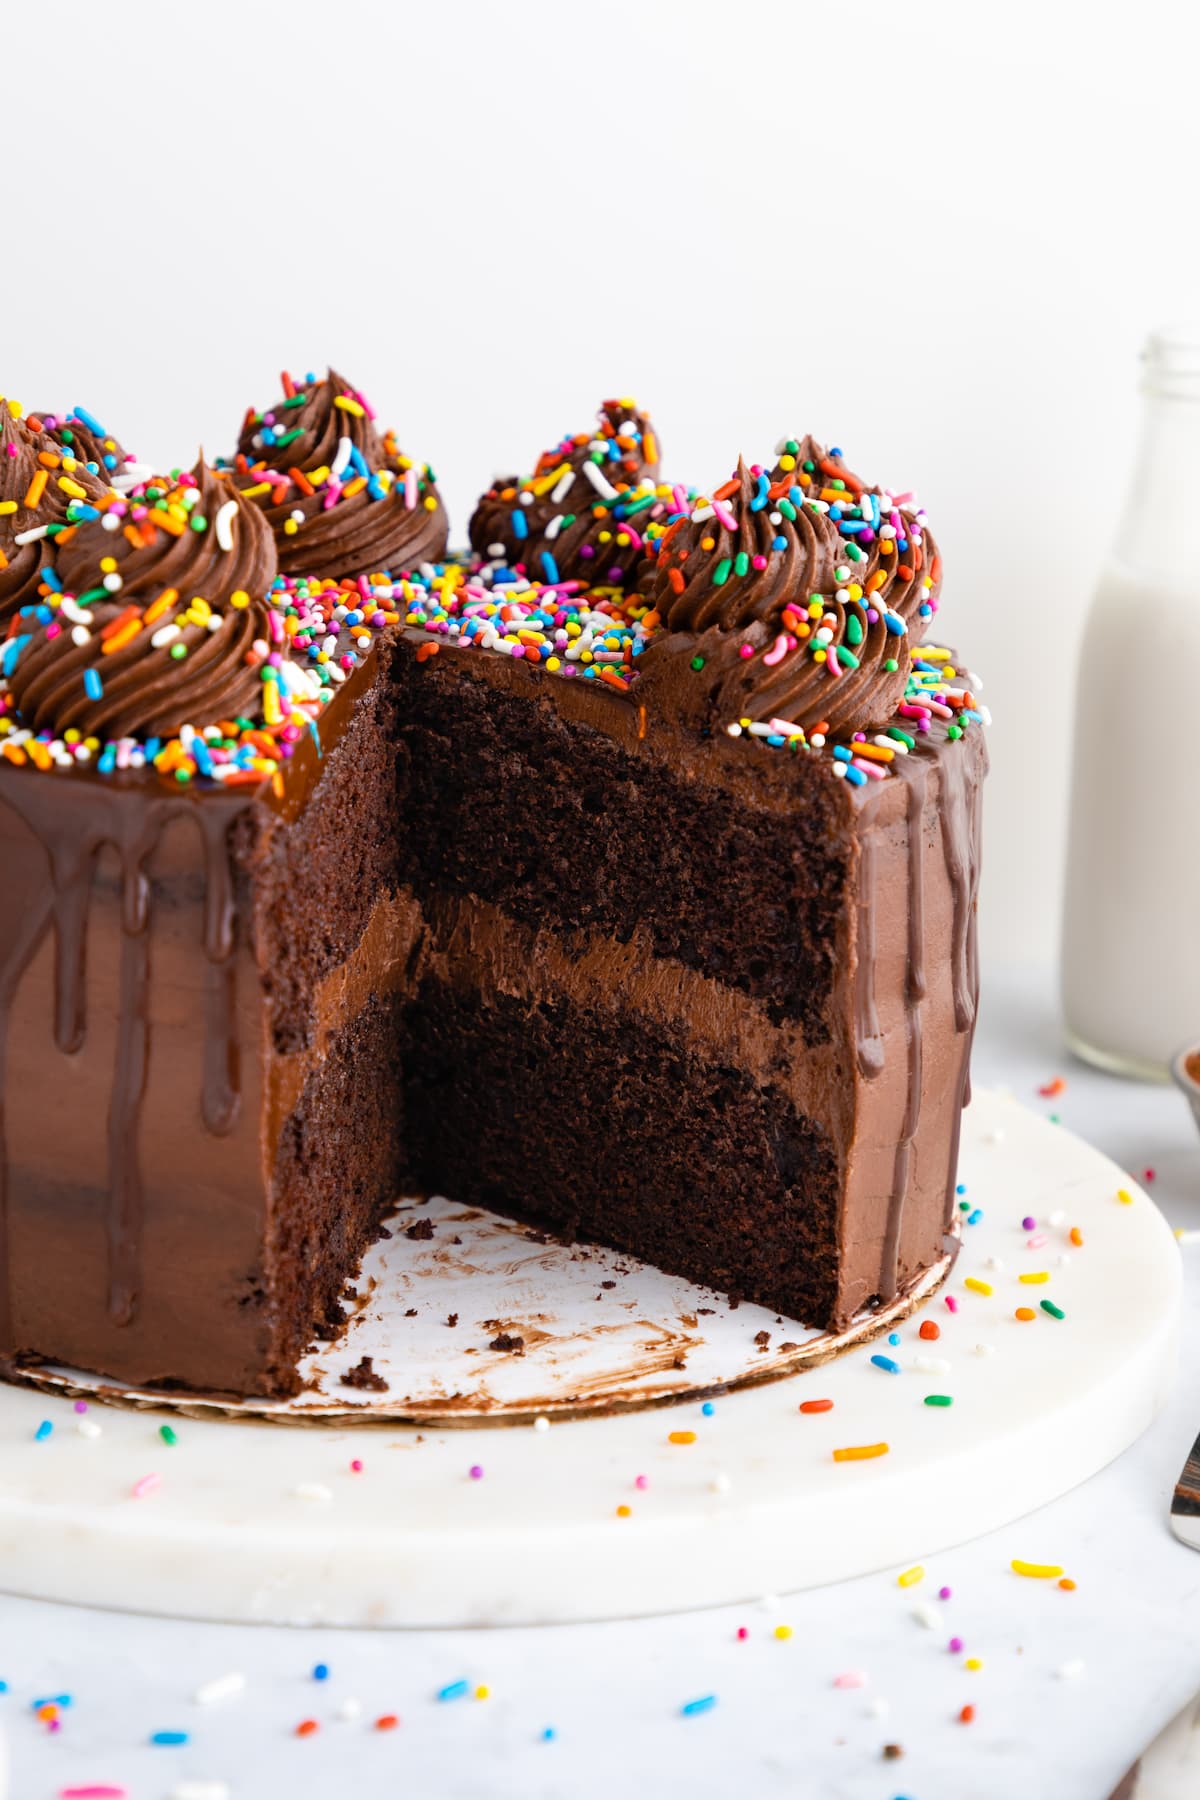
(964, 1206)
(792, 448)
(167, 1434)
(637, 505)
(198, 522)
(854, 553)
(1056, 1312)
(842, 574)
(99, 593)
(901, 737)
(939, 1400)
(847, 660)
(697, 663)
(183, 775)
(837, 484)
(953, 731)
(721, 572)
(808, 467)
(787, 509)
(292, 400)
(742, 564)
(289, 437)
(891, 665)
(854, 630)
(178, 652)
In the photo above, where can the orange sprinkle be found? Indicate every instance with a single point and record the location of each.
(306, 1727)
(675, 581)
(302, 482)
(967, 1715)
(1025, 1313)
(157, 608)
(904, 572)
(816, 1406)
(36, 488)
(1053, 1089)
(681, 1437)
(860, 1452)
(122, 619)
(650, 447)
(724, 492)
(624, 1512)
(609, 674)
(641, 722)
(1067, 1585)
(425, 651)
(1076, 1236)
(929, 1331)
(120, 638)
(387, 1722)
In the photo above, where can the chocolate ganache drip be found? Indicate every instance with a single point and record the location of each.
(164, 621)
(42, 485)
(582, 513)
(794, 595)
(341, 499)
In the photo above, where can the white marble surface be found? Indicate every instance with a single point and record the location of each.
(612, 1693)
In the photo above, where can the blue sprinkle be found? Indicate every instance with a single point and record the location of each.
(779, 543)
(894, 623)
(973, 1218)
(12, 650)
(321, 1672)
(549, 1735)
(108, 759)
(885, 1362)
(893, 1337)
(776, 740)
(110, 461)
(50, 1700)
(43, 1431)
(51, 579)
(708, 1409)
(836, 452)
(203, 760)
(855, 777)
(705, 1704)
(549, 567)
(86, 418)
(358, 461)
(168, 1737)
(841, 753)
(79, 510)
(968, 713)
(519, 524)
(961, 1188)
(454, 1690)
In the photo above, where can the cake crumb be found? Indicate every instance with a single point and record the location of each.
(410, 1312)
(422, 1230)
(762, 1339)
(363, 1375)
(452, 1320)
(506, 1341)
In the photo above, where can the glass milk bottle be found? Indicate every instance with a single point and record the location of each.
(1131, 927)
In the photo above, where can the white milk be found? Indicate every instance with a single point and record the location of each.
(1131, 927)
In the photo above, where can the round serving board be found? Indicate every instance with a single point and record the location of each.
(579, 1494)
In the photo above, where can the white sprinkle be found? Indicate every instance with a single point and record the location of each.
(221, 1687)
(527, 498)
(879, 1709)
(113, 582)
(224, 524)
(720, 1483)
(110, 522)
(1058, 1217)
(559, 493)
(995, 1135)
(80, 635)
(32, 535)
(70, 609)
(163, 635)
(931, 1365)
(996, 1264)
(541, 1423)
(602, 485)
(1063, 1260)
(312, 1490)
(554, 527)
(88, 1428)
(733, 730)
(350, 1709)
(344, 449)
(200, 1790)
(928, 1615)
(1071, 1671)
(985, 1349)
(770, 1603)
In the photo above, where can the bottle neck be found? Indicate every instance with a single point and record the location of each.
(1157, 532)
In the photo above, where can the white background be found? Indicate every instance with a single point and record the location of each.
(935, 235)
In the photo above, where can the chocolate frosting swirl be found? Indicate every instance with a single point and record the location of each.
(795, 595)
(39, 484)
(83, 437)
(144, 687)
(197, 535)
(581, 514)
(341, 500)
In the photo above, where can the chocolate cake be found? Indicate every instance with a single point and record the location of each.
(631, 892)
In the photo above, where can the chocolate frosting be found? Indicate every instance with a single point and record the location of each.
(794, 595)
(80, 435)
(341, 499)
(173, 633)
(37, 472)
(582, 514)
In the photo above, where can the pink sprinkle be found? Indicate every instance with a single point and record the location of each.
(852, 1678)
(746, 652)
(951, 1303)
(94, 1792)
(81, 1406)
(642, 1482)
(944, 1593)
(954, 1646)
(742, 1634)
(1148, 1174)
(475, 1472)
(356, 1465)
(1036, 1241)
(777, 652)
(141, 1488)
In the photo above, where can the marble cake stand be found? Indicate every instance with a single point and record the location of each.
(593, 1482)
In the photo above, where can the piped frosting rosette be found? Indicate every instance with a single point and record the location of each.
(42, 487)
(582, 514)
(794, 597)
(341, 498)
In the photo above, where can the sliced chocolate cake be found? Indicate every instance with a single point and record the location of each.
(631, 893)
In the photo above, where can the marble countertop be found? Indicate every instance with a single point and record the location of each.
(1071, 1685)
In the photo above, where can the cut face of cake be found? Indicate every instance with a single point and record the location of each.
(643, 909)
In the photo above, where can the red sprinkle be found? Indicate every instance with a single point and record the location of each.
(387, 1722)
(306, 1727)
(967, 1715)
(1053, 1089)
(811, 1406)
(929, 1331)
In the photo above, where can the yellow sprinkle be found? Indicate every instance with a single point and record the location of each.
(911, 1576)
(976, 1286)
(1035, 1275)
(239, 599)
(349, 405)
(430, 503)
(973, 1662)
(783, 1632)
(1039, 1571)
(681, 1437)
(624, 1512)
(108, 565)
(72, 488)
(8, 506)
(1124, 1196)
(860, 1452)
(483, 1692)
